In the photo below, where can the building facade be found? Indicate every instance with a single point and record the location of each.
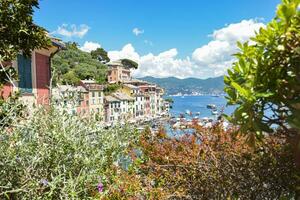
(112, 109)
(34, 75)
(95, 101)
(118, 73)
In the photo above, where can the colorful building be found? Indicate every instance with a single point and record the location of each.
(71, 99)
(118, 73)
(34, 75)
(95, 100)
(126, 106)
(112, 108)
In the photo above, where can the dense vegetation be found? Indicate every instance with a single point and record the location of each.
(174, 85)
(72, 65)
(52, 155)
(266, 77)
(221, 166)
(111, 88)
(169, 100)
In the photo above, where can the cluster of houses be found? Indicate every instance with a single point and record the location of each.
(135, 100)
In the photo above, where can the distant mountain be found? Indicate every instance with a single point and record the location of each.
(189, 85)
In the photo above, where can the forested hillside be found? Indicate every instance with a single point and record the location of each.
(72, 64)
(189, 85)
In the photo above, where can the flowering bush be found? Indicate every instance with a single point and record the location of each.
(52, 155)
(211, 164)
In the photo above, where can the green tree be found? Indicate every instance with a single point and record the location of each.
(101, 55)
(18, 33)
(129, 63)
(169, 99)
(17, 30)
(265, 80)
(72, 64)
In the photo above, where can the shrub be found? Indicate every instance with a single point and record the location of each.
(52, 155)
(265, 80)
(211, 164)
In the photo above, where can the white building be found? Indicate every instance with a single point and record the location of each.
(67, 98)
(112, 109)
(126, 106)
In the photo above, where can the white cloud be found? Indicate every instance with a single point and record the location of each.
(127, 51)
(90, 46)
(237, 32)
(137, 31)
(217, 54)
(210, 60)
(155, 65)
(72, 30)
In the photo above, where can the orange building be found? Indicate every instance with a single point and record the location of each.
(118, 73)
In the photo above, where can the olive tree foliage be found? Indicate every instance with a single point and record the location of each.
(54, 155)
(17, 30)
(265, 80)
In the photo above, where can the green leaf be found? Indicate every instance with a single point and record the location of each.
(243, 92)
(264, 95)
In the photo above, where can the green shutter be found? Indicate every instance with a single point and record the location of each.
(24, 72)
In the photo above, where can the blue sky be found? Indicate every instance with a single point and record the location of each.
(161, 25)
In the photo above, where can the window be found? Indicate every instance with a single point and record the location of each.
(93, 94)
(24, 72)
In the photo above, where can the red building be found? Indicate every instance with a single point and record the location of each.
(34, 74)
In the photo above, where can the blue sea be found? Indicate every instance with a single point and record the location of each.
(198, 104)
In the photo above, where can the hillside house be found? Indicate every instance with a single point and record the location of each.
(117, 72)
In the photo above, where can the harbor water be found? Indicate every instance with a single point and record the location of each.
(196, 104)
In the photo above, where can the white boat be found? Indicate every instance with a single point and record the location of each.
(214, 112)
(211, 106)
(215, 95)
(188, 112)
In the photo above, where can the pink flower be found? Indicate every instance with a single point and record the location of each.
(100, 187)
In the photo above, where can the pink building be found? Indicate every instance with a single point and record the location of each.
(34, 74)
